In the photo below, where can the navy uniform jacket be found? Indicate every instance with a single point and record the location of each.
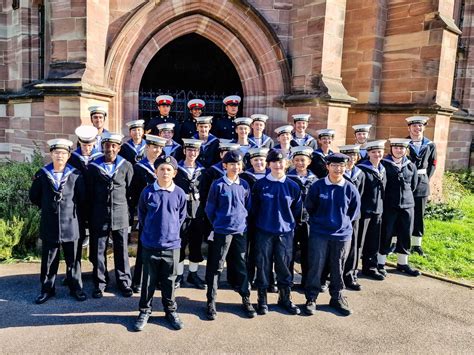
(424, 159)
(357, 178)
(304, 185)
(209, 176)
(151, 125)
(78, 161)
(108, 206)
(265, 142)
(209, 151)
(143, 175)
(309, 141)
(251, 177)
(61, 204)
(188, 128)
(174, 150)
(400, 183)
(374, 187)
(224, 128)
(129, 152)
(190, 186)
(318, 163)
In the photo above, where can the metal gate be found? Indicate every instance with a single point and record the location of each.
(179, 110)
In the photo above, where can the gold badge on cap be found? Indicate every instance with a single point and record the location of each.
(167, 159)
(280, 156)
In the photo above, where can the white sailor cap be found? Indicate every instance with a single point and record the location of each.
(399, 142)
(97, 109)
(259, 117)
(191, 143)
(417, 119)
(204, 120)
(232, 100)
(380, 144)
(86, 134)
(155, 140)
(135, 124)
(361, 128)
(163, 126)
(225, 146)
(164, 100)
(112, 137)
(301, 150)
(247, 121)
(59, 143)
(258, 152)
(284, 129)
(326, 133)
(196, 103)
(301, 117)
(350, 148)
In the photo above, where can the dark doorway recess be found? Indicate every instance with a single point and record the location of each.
(189, 67)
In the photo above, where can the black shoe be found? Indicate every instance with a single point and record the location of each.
(373, 273)
(324, 288)
(65, 282)
(195, 280)
(178, 281)
(417, 249)
(211, 311)
(284, 301)
(97, 293)
(340, 305)
(392, 248)
(78, 295)
(381, 269)
(407, 269)
(174, 320)
(248, 308)
(44, 296)
(353, 285)
(262, 307)
(273, 289)
(141, 321)
(136, 289)
(127, 291)
(310, 307)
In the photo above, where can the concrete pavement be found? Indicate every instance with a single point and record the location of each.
(400, 314)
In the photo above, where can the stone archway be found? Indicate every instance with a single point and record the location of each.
(236, 29)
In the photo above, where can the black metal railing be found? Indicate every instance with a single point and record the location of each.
(214, 107)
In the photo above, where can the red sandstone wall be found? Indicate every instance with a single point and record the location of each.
(461, 134)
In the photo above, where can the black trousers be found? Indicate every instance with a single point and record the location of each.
(418, 223)
(50, 264)
(138, 269)
(352, 261)
(371, 224)
(399, 222)
(234, 245)
(320, 250)
(98, 258)
(191, 235)
(300, 242)
(159, 267)
(274, 248)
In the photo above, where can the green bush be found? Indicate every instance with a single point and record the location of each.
(464, 178)
(443, 212)
(10, 232)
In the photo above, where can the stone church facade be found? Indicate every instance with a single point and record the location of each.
(343, 61)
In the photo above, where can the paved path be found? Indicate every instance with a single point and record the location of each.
(401, 314)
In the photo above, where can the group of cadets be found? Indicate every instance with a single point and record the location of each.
(258, 205)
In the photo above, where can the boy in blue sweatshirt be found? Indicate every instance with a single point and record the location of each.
(227, 209)
(161, 211)
(276, 209)
(333, 204)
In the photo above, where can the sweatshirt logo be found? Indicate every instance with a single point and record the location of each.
(152, 204)
(324, 196)
(268, 195)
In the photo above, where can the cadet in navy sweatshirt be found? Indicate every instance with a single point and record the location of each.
(332, 204)
(227, 209)
(276, 208)
(161, 211)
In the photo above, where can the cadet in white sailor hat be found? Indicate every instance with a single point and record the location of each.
(98, 115)
(242, 128)
(300, 137)
(172, 148)
(163, 103)
(85, 152)
(188, 127)
(209, 152)
(284, 138)
(422, 152)
(257, 137)
(59, 190)
(372, 208)
(225, 126)
(134, 149)
(361, 134)
(318, 163)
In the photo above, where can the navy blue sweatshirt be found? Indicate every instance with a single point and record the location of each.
(276, 205)
(332, 208)
(161, 213)
(228, 205)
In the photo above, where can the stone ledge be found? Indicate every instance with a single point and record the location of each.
(413, 108)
